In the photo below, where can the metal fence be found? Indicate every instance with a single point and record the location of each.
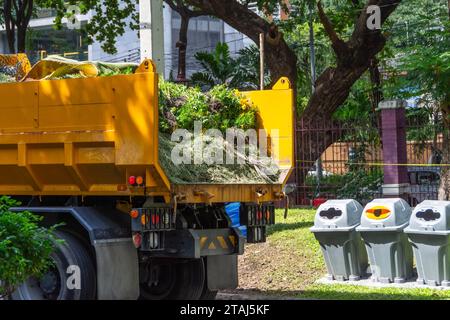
(352, 164)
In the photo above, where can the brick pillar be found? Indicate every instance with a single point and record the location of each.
(393, 124)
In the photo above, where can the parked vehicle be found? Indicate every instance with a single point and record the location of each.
(84, 152)
(424, 182)
(313, 172)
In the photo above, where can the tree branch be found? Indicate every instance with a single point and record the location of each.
(183, 10)
(28, 11)
(280, 59)
(171, 4)
(339, 46)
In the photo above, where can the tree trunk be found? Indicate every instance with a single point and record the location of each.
(375, 79)
(444, 188)
(17, 17)
(21, 39)
(9, 25)
(182, 47)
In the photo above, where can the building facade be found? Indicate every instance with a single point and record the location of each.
(203, 35)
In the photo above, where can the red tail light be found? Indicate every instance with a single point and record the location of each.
(259, 215)
(137, 240)
(132, 180)
(155, 219)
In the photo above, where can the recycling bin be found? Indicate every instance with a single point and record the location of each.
(390, 253)
(429, 233)
(342, 247)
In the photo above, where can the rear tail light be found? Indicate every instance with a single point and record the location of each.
(132, 180)
(153, 240)
(139, 181)
(134, 213)
(153, 220)
(137, 239)
(256, 234)
(157, 218)
(257, 215)
(151, 225)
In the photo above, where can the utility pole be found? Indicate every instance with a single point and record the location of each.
(261, 61)
(312, 54)
(151, 32)
(312, 50)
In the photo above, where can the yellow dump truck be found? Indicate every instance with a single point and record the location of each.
(84, 152)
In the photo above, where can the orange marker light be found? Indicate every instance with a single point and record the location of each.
(378, 213)
(144, 219)
(139, 180)
(134, 213)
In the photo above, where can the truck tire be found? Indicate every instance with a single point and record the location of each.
(160, 289)
(69, 257)
(190, 282)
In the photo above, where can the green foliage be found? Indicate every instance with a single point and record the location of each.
(420, 67)
(220, 108)
(360, 184)
(110, 18)
(25, 247)
(424, 127)
(6, 78)
(420, 47)
(334, 180)
(248, 69)
(219, 67)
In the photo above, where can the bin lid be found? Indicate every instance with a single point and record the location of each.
(391, 214)
(430, 217)
(337, 215)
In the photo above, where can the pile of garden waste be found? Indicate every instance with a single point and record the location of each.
(180, 107)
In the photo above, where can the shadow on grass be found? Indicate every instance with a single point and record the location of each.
(289, 226)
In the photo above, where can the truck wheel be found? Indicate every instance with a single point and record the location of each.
(191, 277)
(60, 282)
(159, 280)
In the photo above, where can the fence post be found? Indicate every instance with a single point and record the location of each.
(393, 125)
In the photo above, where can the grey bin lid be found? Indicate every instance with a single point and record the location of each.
(430, 217)
(337, 215)
(391, 214)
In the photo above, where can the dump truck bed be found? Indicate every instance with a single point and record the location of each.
(87, 136)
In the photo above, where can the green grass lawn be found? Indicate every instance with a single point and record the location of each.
(291, 261)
